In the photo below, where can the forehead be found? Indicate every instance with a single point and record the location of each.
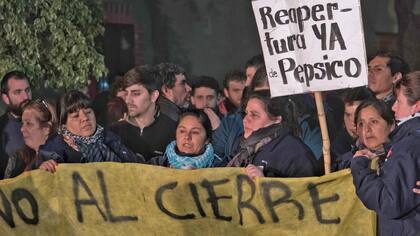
(204, 91)
(378, 60)
(180, 77)
(30, 114)
(136, 87)
(190, 121)
(255, 104)
(14, 84)
(236, 84)
(250, 70)
(369, 112)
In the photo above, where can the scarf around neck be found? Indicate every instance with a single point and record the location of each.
(250, 146)
(182, 162)
(92, 148)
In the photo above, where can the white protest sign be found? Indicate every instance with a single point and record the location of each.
(311, 45)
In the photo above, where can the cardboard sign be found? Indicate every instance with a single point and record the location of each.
(311, 45)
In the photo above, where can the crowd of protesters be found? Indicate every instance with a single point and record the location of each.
(157, 115)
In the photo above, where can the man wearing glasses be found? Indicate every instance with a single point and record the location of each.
(385, 70)
(15, 90)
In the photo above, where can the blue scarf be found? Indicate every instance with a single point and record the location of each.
(181, 162)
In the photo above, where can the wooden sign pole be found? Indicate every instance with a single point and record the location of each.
(324, 131)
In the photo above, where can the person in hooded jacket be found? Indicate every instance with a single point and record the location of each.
(390, 192)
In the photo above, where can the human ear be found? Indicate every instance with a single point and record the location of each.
(5, 99)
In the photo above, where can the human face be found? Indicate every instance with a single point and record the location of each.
(402, 108)
(380, 79)
(82, 122)
(34, 134)
(250, 72)
(180, 93)
(190, 135)
(234, 92)
(139, 101)
(349, 110)
(256, 117)
(372, 129)
(19, 92)
(204, 98)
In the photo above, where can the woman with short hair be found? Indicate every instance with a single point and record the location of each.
(82, 139)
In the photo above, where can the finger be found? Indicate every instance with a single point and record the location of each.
(416, 190)
(418, 183)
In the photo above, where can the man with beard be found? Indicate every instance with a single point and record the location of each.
(147, 131)
(15, 90)
(174, 90)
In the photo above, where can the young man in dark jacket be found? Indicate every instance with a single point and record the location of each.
(147, 131)
(15, 90)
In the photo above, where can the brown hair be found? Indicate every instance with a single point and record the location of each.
(411, 84)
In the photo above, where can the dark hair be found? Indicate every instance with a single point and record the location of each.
(379, 106)
(205, 81)
(167, 74)
(357, 95)
(18, 75)
(71, 102)
(115, 110)
(234, 75)
(146, 76)
(395, 63)
(201, 116)
(411, 84)
(279, 106)
(117, 86)
(256, 61)
(260, 79)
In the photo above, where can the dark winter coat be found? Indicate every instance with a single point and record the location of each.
(390, 194)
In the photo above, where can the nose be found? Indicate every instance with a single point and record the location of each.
(394, 107)
(188, 136)
(83, 115)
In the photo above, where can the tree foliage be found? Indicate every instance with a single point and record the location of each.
(53, 41)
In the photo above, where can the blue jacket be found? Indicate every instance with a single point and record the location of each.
(390, 194)
(225, 137)
(67, 154)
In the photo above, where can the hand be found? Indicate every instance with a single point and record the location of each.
(365, 153)
(49, 166)
(253, 171)
(70, 142)
(214, 119)
(417, 188)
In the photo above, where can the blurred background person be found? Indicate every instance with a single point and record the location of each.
(234, 84)
(174, 90)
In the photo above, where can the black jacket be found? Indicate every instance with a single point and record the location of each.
(390, 194)
(150, 141)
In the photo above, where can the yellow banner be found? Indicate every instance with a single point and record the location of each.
(134, 199)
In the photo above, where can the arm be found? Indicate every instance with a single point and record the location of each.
(389, 194)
